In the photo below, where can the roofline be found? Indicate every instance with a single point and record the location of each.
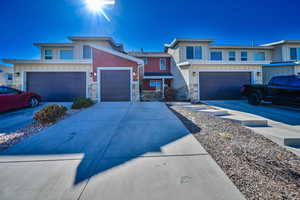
(281, 42)
(36, 61)
(239, 47)
(96, 38)
(117, 53)
(152, 54)
(54, 44)
(176, 40)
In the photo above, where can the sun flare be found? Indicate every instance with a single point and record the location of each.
(97, 6)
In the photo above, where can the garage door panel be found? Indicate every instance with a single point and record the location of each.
(222, 85)
(57, 86)
(115, 85)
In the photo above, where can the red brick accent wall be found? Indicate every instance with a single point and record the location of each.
(153, 65)
(104, 59)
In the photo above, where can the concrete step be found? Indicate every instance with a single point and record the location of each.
(215, 112)
(247, 120)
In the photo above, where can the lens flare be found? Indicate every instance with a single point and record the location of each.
(97, 6)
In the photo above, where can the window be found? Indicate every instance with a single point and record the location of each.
(66, 54)
(162, 64)
(87, 52)
(48, 54)
(279, 81)
(5, 90)
(244, 56)
(216, 55)
(9, 77)
(295, 53)
(154, 83)
(259, 56)
(145, 61)
(194, 52)
(231, 55)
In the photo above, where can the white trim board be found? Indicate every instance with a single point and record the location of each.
(99, 69)
(24, 77)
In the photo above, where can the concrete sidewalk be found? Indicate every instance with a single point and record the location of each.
(114, 151)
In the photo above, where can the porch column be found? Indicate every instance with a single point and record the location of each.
(163, 87)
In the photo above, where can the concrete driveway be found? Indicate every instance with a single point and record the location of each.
(114, 151)
(14, 120)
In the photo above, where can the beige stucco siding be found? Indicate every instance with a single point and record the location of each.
(297, 69)
(256, 71)
(19, 82)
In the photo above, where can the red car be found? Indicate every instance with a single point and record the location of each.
(13, 99)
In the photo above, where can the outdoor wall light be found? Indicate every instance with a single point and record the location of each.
(134, 73)
(17, 74)
(194, 74)
(93, 74)
(257, 73)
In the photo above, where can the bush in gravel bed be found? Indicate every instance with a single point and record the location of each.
(50, 114)
(82, 102)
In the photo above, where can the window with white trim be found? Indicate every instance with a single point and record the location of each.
(154, 83)
(162, 64)
(66, 54)
(216, 55)
(231, 55)
(48, 54)
(194, 52)
(244, 56)
(9, 77)
(295, 53)
(86, 52)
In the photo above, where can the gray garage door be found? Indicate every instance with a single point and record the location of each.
(57, 86)
(115, 85)
(222, 85)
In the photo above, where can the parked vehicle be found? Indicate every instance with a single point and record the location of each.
(13, 99)
(279, 90)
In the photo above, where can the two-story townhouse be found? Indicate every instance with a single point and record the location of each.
(203, 71)
(157, 72)
(94, 67)
(285, 59)
(6, 75)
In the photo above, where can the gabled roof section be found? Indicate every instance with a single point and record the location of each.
(120, 54)
(239, 47)
(149, 54)
(177, 40)
(98, 38)
(282, 42)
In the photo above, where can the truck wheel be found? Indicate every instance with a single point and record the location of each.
(254, 99)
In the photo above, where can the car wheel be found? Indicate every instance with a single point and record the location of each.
(254, 99)
(33, 102)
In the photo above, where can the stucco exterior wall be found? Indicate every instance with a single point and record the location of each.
(19, 82)
(297, 69)
(4, 71)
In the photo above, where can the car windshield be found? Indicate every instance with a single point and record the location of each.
(280, 81)
(5, 90)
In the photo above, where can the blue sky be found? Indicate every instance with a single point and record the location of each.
(145, 23)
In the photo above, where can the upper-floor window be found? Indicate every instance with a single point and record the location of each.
(9, 77)
(48, 54)
(216, 55)
(244, 56)
(66, 54)
(145, 61)
(162, 64)
(231, 55)
(259, 56)
(87, 52)
(194, 52)
(295, 53)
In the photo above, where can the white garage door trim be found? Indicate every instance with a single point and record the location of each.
(99, 69)
(24, 77)
(253, 75)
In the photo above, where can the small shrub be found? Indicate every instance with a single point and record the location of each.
(82, 102)
(50, 114)
(170, 93)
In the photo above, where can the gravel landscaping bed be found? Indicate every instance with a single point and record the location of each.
(9, 139)
(258, 167)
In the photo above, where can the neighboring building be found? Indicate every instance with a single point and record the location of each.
(157, 73)
(99, 68)
(6, 75)
(94, 67)
(285, 57)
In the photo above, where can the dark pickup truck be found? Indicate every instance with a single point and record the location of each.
(280, 90)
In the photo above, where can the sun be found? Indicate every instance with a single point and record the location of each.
(97, 6)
